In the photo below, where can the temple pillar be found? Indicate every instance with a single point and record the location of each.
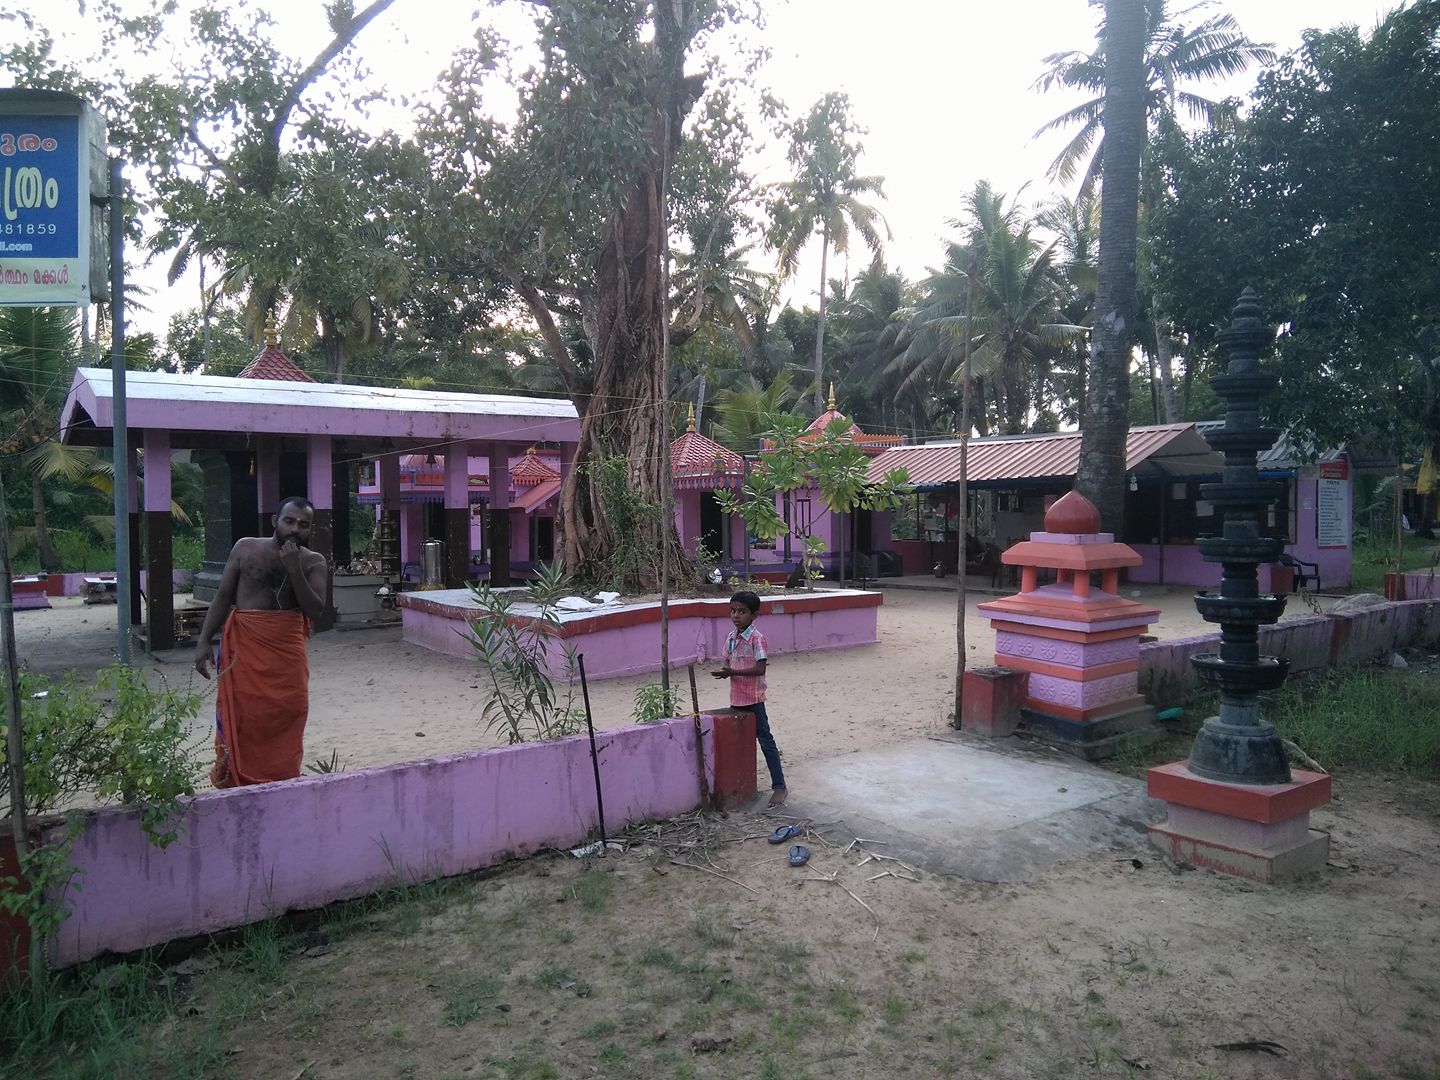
(341, 485)
(319, 473)
(160, 611)
(387, 525)
(132, 480)
(457, 515)
(267, 483)
(216, 509)
(499, 516)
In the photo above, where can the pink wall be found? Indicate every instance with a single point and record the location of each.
(1358, 637)
(627, 642)
(249, 853)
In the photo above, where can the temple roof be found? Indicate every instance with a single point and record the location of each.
(871, 444)
(271, 363)
(532, 471)
(693, 458)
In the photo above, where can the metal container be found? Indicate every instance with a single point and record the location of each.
(433, 564)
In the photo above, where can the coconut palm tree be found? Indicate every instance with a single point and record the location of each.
(38, 353)
(1177, 51)
(827, 196)
(1017, 323)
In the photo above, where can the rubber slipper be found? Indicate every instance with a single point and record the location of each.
(799, 855)
(783, 833)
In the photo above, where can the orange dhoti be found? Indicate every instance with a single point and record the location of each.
(262, 698)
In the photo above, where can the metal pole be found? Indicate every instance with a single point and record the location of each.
(594, 753)
(962, 519)
(14, 743)
(120, 436)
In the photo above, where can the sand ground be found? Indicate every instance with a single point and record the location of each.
(376, 699)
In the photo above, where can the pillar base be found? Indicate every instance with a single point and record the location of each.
(734, 747)
(991, 701)
(1258, 832)
(1100, 737)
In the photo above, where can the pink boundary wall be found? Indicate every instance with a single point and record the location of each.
(249, 853)
(627, 641)
(1317, 641)
(74, 584)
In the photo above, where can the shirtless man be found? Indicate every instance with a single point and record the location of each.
(271, 588)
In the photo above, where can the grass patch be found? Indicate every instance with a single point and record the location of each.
(1370, 561)
(593, 890)
(1378, 720)
(466, 997)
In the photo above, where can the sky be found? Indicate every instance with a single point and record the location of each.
(944, 89)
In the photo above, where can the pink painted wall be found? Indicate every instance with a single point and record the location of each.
(1358, 637)
(1422, 585)
(74, 584)
(249, 853)
(838, 620)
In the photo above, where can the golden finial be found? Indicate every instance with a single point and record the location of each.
(690, 422)
(830, 405)
(272, 331)
(530, 452)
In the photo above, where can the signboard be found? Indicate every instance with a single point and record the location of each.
(48, 142)
(1332, 505)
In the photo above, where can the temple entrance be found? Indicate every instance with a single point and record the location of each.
(712, 524)
(542, 539)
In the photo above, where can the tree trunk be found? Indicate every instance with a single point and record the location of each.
(1101, 476)
(1164, 357)
(625, 412)
(820, 325)
(44, 546)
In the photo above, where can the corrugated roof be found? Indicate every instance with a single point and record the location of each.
(1171, 449)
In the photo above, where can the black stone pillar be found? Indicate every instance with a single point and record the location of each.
(160, 632)
(136, 618)
(457, 546)
(1237, 746)
(499, 532)
(322, 541)
(216, 514)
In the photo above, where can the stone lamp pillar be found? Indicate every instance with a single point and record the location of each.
(1079, 643)
(1235, 806)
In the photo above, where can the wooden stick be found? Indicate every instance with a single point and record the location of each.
(703, 870)
(833, 880)
(699, 739)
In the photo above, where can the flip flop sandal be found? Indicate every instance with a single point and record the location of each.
(783, 833)
(799, 855)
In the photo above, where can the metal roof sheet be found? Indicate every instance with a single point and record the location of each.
(163, 400)
(1170, 449)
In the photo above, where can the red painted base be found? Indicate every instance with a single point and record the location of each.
(734, 750)
(1259, 832)
(991, 701)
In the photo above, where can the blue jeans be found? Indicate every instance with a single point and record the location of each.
(766, 741)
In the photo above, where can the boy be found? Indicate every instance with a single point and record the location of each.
(745, 653)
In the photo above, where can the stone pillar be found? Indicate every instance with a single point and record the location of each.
(216, 507)
(160, 630)
(1236, 806)
(131, 473)
(319, 471)
(388, 524)
(341, 484)
(267, 483)
(499, 516)
(457, 515)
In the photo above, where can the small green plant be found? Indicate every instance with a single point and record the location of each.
(707, 565)
(120, 740)
(814, 558)
(324, 765)
(512, 643)
(654, 702)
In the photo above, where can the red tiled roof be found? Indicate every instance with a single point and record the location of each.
(533, 471)
(274, 364)
(692, 454)
(1180, 447)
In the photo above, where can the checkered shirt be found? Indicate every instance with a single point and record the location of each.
(744, 651)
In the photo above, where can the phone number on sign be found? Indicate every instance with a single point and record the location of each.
(28, 229)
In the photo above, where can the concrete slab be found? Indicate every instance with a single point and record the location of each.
(949, 805)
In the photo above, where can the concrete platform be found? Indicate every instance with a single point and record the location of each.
(949, 805)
